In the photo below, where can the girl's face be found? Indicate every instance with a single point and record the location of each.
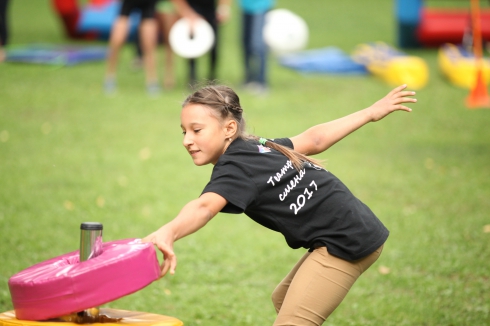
(205, 136)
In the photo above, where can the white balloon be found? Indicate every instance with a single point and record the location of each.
(191, 44)
(285, 31)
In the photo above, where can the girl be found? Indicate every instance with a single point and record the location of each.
(277, 184)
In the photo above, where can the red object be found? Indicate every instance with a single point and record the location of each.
(98, 3)
(439, 26)
(70, 14)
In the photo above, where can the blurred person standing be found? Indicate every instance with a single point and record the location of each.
(166, 15)
(255, 49)
(214, 13)
(148, 33)
(3, 28)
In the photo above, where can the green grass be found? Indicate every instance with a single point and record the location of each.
(70, 154)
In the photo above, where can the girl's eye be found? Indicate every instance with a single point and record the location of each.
(197, 130)
(183, 133)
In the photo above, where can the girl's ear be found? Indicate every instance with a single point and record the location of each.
(231, 128)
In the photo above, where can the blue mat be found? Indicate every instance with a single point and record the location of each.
(329, 60)
(61, 55)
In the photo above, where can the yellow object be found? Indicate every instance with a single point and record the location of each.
(391, 65)
(460, 66)
(120, 317)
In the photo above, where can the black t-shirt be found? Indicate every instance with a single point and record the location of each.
(310, 207)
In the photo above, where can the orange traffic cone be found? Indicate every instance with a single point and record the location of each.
(478, 97)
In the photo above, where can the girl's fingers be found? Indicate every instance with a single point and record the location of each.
(403, 108)
(406, 93)
(397, 89)
(404, 100)
(169, 264)
(165, 267)
(173, 264)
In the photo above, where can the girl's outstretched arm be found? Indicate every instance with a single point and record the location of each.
(193, 216)
(320, 137)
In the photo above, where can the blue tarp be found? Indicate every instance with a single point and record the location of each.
(329, 60)
(62, 55)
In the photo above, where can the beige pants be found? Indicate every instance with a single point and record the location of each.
(315, 286)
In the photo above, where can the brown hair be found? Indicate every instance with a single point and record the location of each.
(225, 104)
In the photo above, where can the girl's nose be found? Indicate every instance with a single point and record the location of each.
(187, 140)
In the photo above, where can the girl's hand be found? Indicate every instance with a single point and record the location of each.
(193, 216)
(165, 244)
(391, 102)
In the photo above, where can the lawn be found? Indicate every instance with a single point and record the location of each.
(69, 154)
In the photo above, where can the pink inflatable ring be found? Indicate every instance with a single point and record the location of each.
(62, 285)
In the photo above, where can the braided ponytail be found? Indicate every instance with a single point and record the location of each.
(296, 158)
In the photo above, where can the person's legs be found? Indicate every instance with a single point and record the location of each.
(213, 57)
(3, 28)
(281, 289)
(208, 11)
(148, 31)
(192, 73)
(138, 57)
(255, 53)
(3, 22)
(166, 19)
(148, 37)
(318, 286)
(119, 32)
(246, 43)
(258, 48)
